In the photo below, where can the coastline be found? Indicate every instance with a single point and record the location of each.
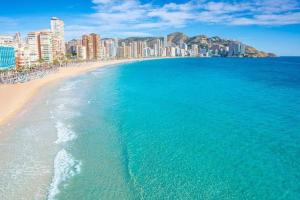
(13, 97)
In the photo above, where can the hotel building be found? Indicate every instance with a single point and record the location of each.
(7, 57)
(45, 46)
(58, 38)
(236, 49)
(33, 46)
(92, 44)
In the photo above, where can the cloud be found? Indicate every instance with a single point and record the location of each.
(132, 34)
(101, 1)
(116, 16)
(267, 19)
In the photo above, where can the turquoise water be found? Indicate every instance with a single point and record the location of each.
(179, 129)
(188, 129)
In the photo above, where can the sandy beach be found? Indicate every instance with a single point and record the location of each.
(13, 97)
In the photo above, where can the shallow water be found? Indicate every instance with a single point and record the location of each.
(27, 152)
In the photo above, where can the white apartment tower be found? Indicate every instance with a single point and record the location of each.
(46, 46)
(33, 46)
(58, 34)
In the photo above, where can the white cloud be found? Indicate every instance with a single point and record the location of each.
(116, 16)
(101, 1)
(133, 34)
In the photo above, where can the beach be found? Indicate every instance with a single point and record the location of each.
(13, 97)
(156, 129)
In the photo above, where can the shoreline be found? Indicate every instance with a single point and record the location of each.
(13, 97)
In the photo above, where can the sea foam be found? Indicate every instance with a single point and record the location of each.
(65, 167)
(64, 133)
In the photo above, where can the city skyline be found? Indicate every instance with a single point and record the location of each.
(48, 46)
(257, 23)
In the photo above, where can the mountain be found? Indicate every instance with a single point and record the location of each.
(204, 42)
(177, 38)
(210, 42)
(252, 52)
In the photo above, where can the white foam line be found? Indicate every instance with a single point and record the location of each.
(69, 86)
(64, 133)
(65, 167)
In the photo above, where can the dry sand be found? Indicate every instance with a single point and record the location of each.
(13, 97)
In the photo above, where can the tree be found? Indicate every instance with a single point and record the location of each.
(41, 60)
(56, 62)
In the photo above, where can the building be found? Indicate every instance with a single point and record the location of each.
(134, 50)
(7, 40)
(195, 50)
(92, 44)
(7, 57)
(33, 47)
(58, 40)
(45, 46)
(95, 38)
(108, 48)
(71, 47)
(81, 52)
(22, 55)
(236, 49)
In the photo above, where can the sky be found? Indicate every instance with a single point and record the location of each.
(268, 25)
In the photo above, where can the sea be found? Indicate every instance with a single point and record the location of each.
(177, 129)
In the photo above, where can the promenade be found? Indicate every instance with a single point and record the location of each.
(14, 76)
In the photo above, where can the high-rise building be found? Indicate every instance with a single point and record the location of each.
(85, 43)
(33, 46)
(22, 54)
(236, 49)
(58, 40)
(140, 48)
(45, 45)
(71, 47)
(81, 52)
(195, 50)
(92, 44)
(109, 48)
(95, 46)
(135, 50)
(7, 57)
(165, 41)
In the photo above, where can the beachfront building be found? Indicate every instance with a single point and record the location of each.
(140, 49)
(22, 54)
(7, 57)
(71, 47)
(236, 49)
(7, 40)
(95, 38)
(134, 47)
(20, 49)
(81, 52)
(92, 44)
(195, 50)
(109, 48)
(58, 38)
(45, 46)
(33, 47)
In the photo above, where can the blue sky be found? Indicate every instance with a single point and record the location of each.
(269, 25)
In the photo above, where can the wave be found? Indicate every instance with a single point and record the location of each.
(64, 133)
(70, 86)
(65, 108)
(65, 167)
